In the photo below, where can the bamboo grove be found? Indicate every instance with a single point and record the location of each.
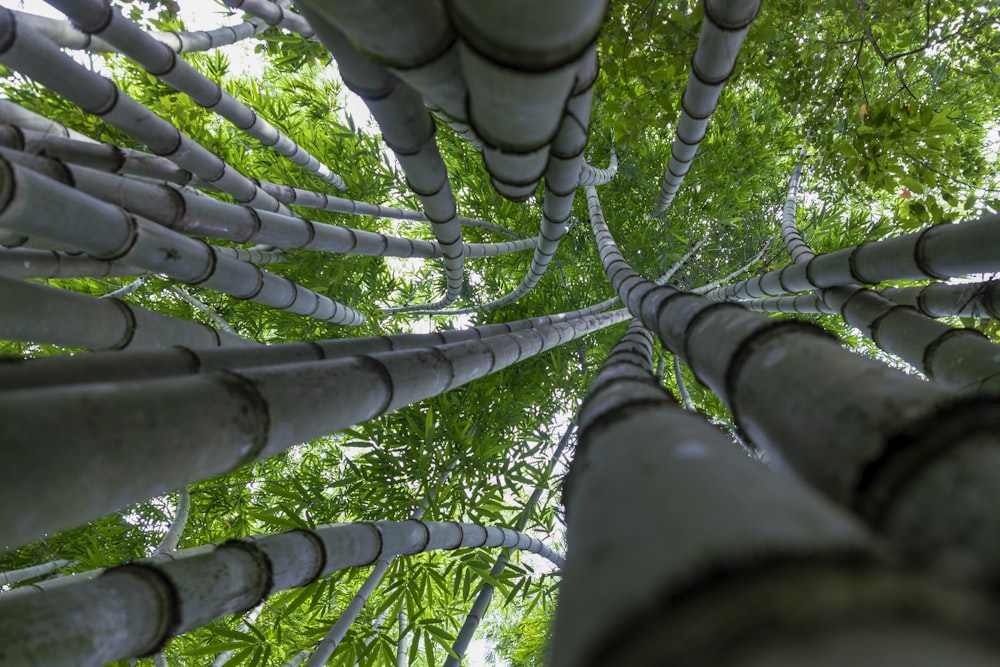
(252, 348)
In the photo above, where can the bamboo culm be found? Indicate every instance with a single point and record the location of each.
(34, 205)
(247, 415)
(133, 609)
(661, 570)
(597, 176)
(906, 441)
(95, 17)
(17, 576)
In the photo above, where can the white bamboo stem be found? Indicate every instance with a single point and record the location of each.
(597, 176)
(172, 537)
(16, 576)
(217, 320)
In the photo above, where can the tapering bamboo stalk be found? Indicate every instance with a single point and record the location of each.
(714, 560)
(95, 17)
(883, 442)
(408, 129)
(722, 32)
(246, 415)
(134, 609)
(122, 366)
(16, 576)
(595, 175)
(32, 204)
(41, 314)
(34, 56)
(33, 263)
(67, 36)
(682, 262)
(936, 253)
(485, 595)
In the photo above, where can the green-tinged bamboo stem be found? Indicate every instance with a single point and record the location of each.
(408, 129)
(42, 314)
(67, 36)
(715, 560)
(682, 262)
(246, 415)
(34, 263)
(95, 17)
(297, 659)
(595, 175)
(121, 366)
(722, 32)
(34, 205)
(14, 114)
(936, 253)
(883, 442)
(29, 53)
(16, 576)
(403, 644)
(681, 387)
(172, 537)
(330, 642)
(125, 290)
(522, 61)
(485, 595)
(133, 609)
(217, 320)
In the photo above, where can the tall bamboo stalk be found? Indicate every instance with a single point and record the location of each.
(246, 415)
(883, 442)
(34, 56)
(133, 609)
(95, 17)
(36, 263)
(597, 176)
(16, 576)
(714, 560)
(722, 32)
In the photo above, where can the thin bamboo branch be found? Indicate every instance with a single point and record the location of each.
(217, 319)
(125, 290)
(679, 264)
(172, 537)
(16, 576)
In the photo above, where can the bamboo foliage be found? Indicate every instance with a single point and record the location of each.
(133, 609)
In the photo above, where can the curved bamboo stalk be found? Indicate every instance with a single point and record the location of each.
(475, 615)
(869, 436)
(67, 36)
(41, 314)
(95, 17)
(522, 61)
(955, 358)
(674, 571)
(35, 263)
(134, 609)
(16, 576)
(122, 366)
(32, 204)
(408, 129)
(274, 13)
(722, 32)
(679, 264)
(595, 175)
(936, 253)
(34, 56)
(246, 415)
(172, 537)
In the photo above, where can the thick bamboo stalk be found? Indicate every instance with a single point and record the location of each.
(16, 576)
(67, 36)
(408, 129)
(722, 32)
(936, 253)
(715, 560)
(121, 366)
(246, 415)
(485, 595)
(32, 204)
(132, 610)
(95, 17)
(883, 442)
(34, 56)
(41, 314)
(597, 176)
(943, 300)
(34, 263)
(801, 304)
(521, 60)
(682, 262)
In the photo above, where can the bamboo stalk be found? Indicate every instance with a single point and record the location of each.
(95, 17)
(14, 114)
(597, 176)
(679, 264)
(133, 609)
(681, 387)
(35, 263)
(42, 314)
(885, 443)
(246, 415)
(34, 56)
(274, 13)
(741, 565)
(172, 537)
(35, 205)
(125, 290)
(16, 576)
(722, 33)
